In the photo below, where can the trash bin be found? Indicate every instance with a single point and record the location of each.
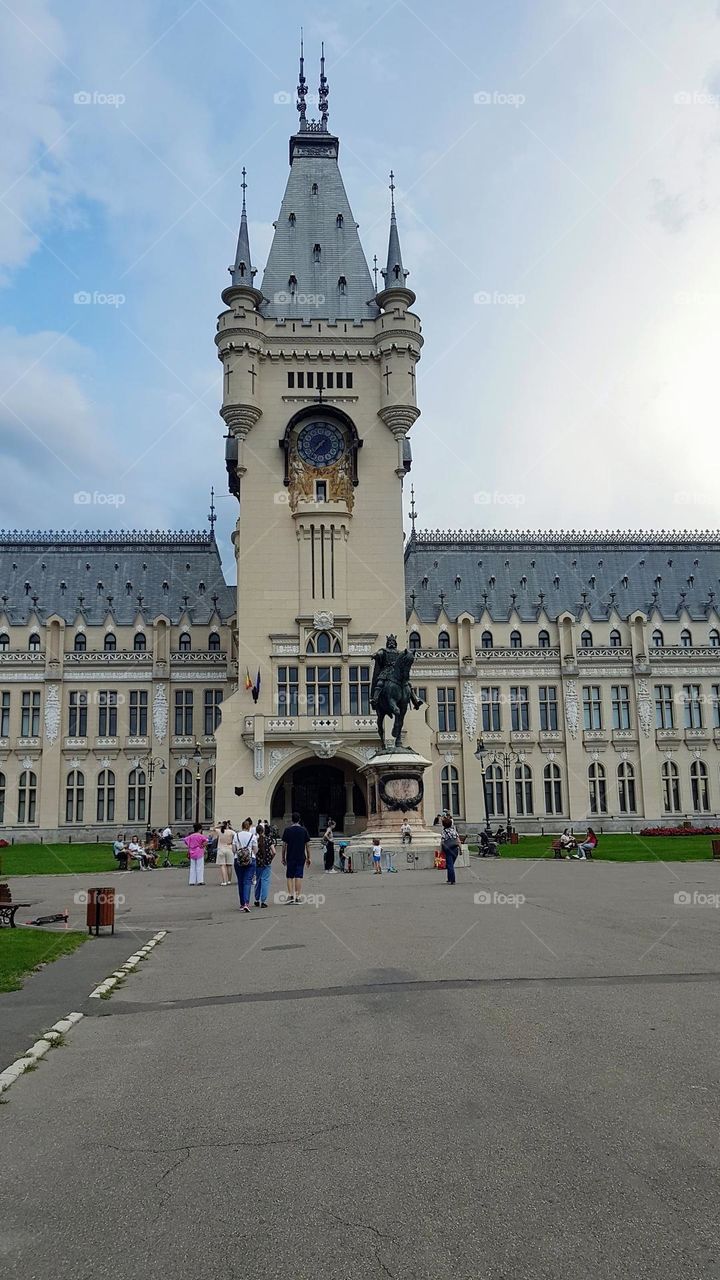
(100, 910)
(716, 849)
(514, 838)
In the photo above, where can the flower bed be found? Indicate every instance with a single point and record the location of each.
(680, 831)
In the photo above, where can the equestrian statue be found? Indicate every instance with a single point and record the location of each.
(391, 692)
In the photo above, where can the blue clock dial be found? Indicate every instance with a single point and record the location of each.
(320, 444)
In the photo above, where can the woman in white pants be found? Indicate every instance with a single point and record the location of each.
(196, 843)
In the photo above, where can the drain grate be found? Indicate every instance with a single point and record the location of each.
(288, 946)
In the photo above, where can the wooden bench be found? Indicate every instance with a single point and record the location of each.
(557, 849)
(8, 907)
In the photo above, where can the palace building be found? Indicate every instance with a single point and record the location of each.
(566, 677)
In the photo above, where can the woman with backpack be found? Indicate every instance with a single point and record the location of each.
(450, 845)
(263, 863)
(245, 853)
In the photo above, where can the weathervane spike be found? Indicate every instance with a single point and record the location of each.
(302, 86)
(212, 517)
(243, 184)
(323, 91)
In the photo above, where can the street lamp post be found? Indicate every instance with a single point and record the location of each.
(197, 759)
(480, 753)
(150, 764)
(506, 758)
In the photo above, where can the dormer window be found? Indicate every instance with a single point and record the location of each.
(658, 640)
(316, 253)
(339, 220)
(4, 642)
(34, 643)
(414, 641)
(515, 640)
(185, 644)
(139, 642)
(543, 639)
(214, 642)
(715, 639)
(110, 644)
(686, 639)
(443, 640)
(486, 640)
(615, 639)
(586, 640)
(342, 284)
(80, 642)
(292, 285)
(314, 189)
(292, 219)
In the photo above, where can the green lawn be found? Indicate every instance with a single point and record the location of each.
(622, 848)
(59, 859)
(22, 950)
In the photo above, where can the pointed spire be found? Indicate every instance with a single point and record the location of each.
(395, 275)
(323, 92)
(302, 87)
(212, 517)
(413, 512)
(242, 272)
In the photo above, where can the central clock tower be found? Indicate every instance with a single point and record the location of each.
(318, 401)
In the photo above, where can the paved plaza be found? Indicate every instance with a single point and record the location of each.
(395, 1081)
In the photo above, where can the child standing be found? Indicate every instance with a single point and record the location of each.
(377, 855)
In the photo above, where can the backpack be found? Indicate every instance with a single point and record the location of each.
(243, 852)
(449, 843)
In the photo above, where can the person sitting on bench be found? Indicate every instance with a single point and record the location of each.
(488, 847)
(586, 847)
(135, 850)
(119, 849)
(567, 842)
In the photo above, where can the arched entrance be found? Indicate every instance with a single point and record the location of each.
(319, 790)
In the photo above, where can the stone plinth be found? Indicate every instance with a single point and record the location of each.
(395, 792)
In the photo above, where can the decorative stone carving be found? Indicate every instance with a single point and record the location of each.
(52, 713)
(259, 759)
(301, 481)
(104, 762)
(276, 757)
(360, 648)
(323, 619)
(469, 708)
(572, 708)
(644, 707)
(325, 748)
(160, 713)
(26, 762)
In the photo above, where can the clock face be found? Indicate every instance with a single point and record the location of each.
(320, 444)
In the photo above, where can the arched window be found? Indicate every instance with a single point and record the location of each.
(80, 642)
(523, 790)
(27, 796)
(671, 787)
(586, 640)
(544, 639)
(598, 788)
(323, 642)
(658, 640)
(339, 220)
(75, 796)
(110, 644)
(2, 797)
(136, 795)
(443, 640)
(105, 811)
(316, 253)
(686, 638)
(183, 796)
(414, 641)
(139, 642)
(486, 640)
(4, 642)
(515, 640)
(214, 642)
(34, 643)
(626, 787)
(553, 788)
(714, 639)
(494, 791)
(185, 643)
(699, 787)
(615, 639)
(450, 789)
(209, 794)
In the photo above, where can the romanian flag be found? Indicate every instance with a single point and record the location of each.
(256, 687)
(248, 679)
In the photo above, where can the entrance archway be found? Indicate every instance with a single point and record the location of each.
(319, 790)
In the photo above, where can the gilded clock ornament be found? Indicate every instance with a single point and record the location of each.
(320, 444)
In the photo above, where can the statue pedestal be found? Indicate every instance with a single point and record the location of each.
(395, 794)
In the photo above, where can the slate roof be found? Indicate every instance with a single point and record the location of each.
(318, 295)
(110, 571)
(630, 571)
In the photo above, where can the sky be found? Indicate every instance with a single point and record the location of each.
(558, 190)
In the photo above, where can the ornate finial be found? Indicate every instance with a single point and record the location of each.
(375, 270)
(243, 184)
(302, 87)
(413, 597)
(413, 510)
(392, 194)
(212, 517)
(323, 91)
(441, 598)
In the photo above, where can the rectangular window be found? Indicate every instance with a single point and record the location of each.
(138, 713)
(324, 690)
(620, 695)
(422, 693)
(107, 713)
(664, 710)
(715, 706)
(183, 712)
(301, 381)
(359, 691)
(592, 707)
(291, 380)
(447, 711)
(490, 703)
(321, 490)
(212, 712)
(548, 707)
(5, 715)
(692, 701)
(311, 379)
(519, 707)
(348, 381)
(319, 381)
(30, 718)
(330, 381)
(287, 691)
(77, 714)
(339, 381)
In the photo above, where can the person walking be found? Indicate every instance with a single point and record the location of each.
(295, 856)
(329, 843)
(263, 863)
(450, 845)
(196, 843)
(244, 847)
(224, 834)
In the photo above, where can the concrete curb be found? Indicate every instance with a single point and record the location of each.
(38, 1050)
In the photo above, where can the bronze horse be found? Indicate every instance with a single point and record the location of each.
(393, 695)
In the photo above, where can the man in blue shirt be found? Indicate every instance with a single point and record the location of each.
(295, 856)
